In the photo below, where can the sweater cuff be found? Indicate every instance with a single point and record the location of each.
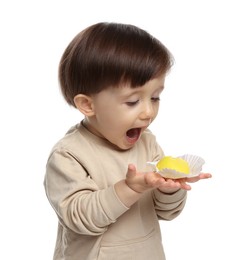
(112, 205)
(170, 197)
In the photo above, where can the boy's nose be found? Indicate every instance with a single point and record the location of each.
(147, 112)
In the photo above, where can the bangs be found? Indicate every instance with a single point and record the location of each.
(111, 55)
(119, 57)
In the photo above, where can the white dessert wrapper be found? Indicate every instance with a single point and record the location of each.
(195, 164)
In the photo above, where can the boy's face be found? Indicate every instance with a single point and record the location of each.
(122, 114)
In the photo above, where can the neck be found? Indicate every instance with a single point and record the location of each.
(89, 126)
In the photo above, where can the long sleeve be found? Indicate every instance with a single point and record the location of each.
(169, 206)
(76, 198)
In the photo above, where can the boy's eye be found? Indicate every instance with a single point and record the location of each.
(132, 103)
(155, 99)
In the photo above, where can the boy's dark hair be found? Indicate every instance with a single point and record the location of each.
(110, 55)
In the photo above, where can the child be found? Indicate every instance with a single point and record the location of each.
(107, 204)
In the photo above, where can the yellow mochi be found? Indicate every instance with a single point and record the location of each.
(177, 164)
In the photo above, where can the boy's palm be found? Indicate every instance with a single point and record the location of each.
(141, 182)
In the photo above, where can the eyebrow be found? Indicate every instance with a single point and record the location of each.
(137, 90)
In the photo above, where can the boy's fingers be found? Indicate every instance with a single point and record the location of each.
(131, 171)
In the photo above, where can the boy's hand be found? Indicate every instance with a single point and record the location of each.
(141, 182)
(182, 183)
(130, 190)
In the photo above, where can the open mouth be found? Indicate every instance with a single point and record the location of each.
(133, 134)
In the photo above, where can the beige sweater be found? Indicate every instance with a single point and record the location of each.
(93, 223)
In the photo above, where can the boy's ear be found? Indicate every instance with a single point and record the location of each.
(84, 104)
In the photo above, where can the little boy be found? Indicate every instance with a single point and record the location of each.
(108, 204)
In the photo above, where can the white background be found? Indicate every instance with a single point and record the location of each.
(202, 112)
